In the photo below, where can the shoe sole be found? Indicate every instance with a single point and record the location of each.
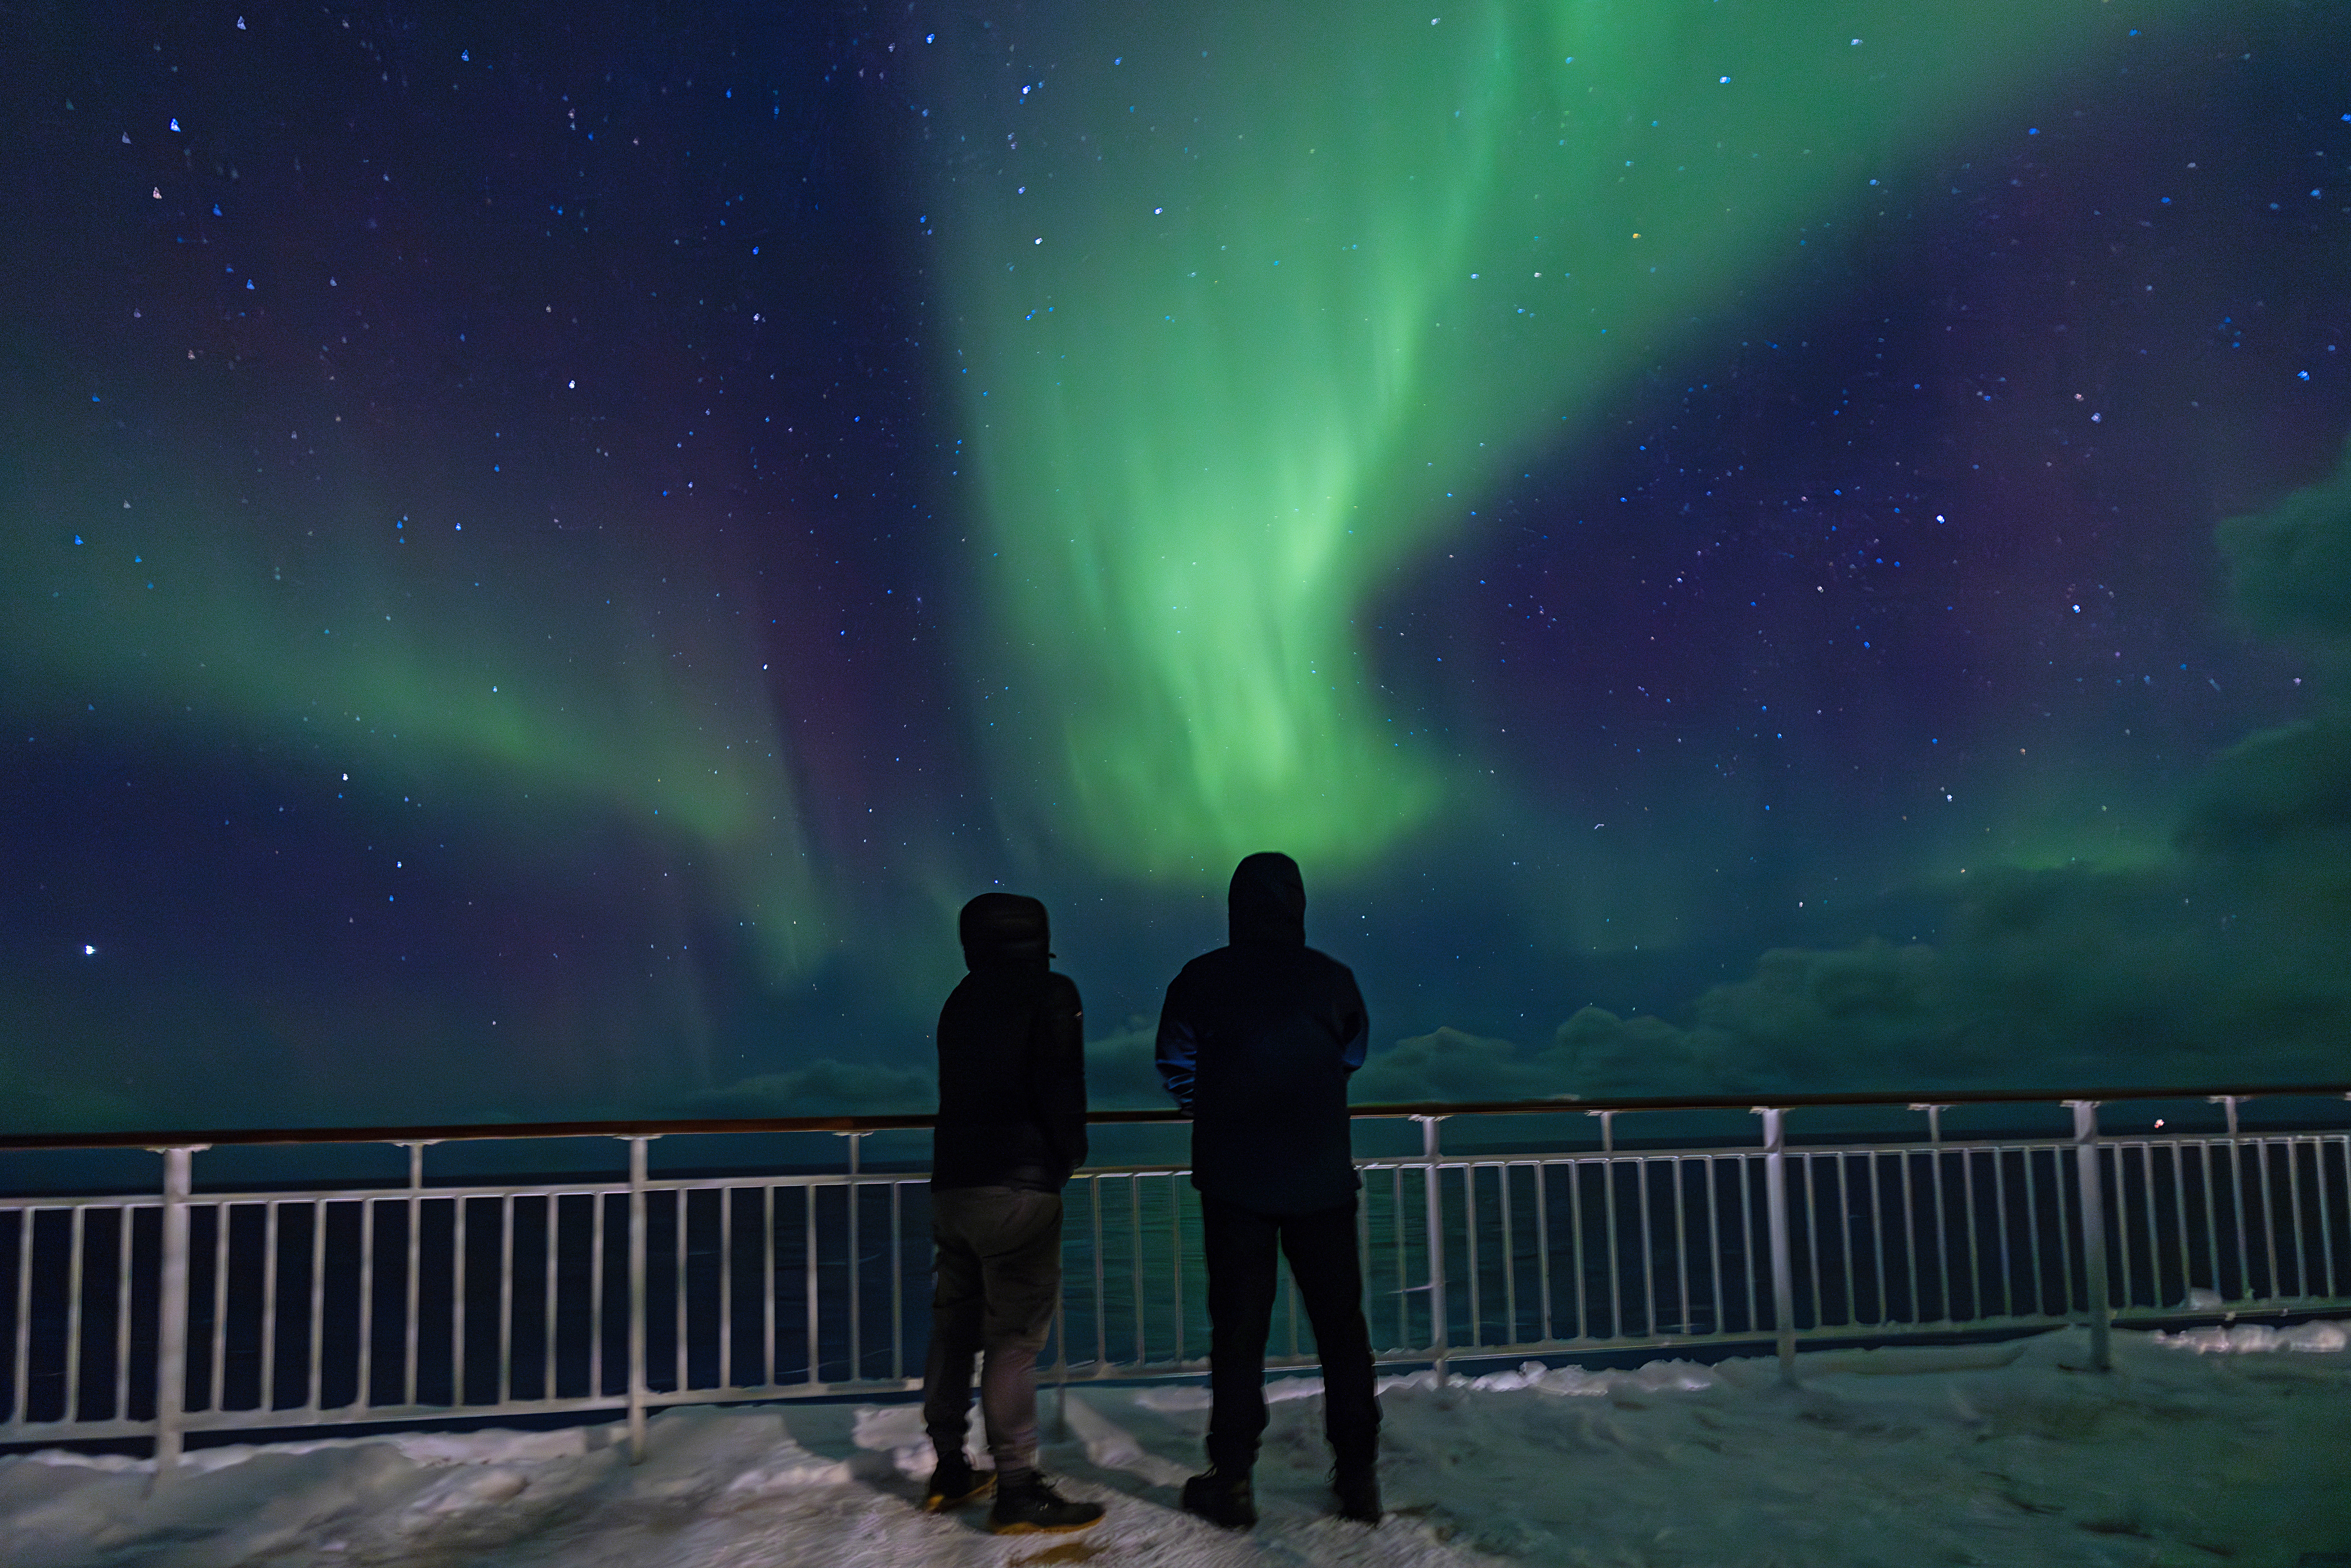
(1025, 1528)
(1247, 1523)
(941, 1504)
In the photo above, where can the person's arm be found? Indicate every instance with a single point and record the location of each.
(1354, 1021)
(1057, 1068)
(1179, 1048)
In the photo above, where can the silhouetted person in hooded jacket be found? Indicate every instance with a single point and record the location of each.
(1011, 1127)
(1255, 1041)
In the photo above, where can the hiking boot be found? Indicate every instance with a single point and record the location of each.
(1027, 1505)
(1224, 1500)
(954, 1483)
(1358, 1489)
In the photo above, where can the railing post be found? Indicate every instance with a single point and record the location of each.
(1433, 1206)
(1775, 1202)
(637, 1300)
(171, 1313)
(2094, 1233)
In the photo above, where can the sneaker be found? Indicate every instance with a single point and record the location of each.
(1358, 1488)
(1224, 1500)
(954, 1483)
(1027, 1505)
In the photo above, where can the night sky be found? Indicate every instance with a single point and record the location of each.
(1740, 545)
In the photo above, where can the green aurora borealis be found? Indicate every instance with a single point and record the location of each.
(1221, 381)
(542, 569)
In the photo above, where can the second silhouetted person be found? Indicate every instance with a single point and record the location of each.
(1257, 1041)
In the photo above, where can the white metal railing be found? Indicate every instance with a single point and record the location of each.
(179, 1312)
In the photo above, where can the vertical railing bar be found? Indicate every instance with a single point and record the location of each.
(1470, 1251)
(363, 1397)
(770, 1353)
(267, 1381)
(2261, 1147)
(2065, 1252)
(1714, 1237)
(1942, 1221)
(1975, 1245)
(172, 1312)
(1176, 1260)
(898, 1279)
(460, 1330)
(1395, 1214)
(76, 1240)
(1775, 1195)
(1102, 1306)
(677, 1208)
(77, 1234)
(2211, 1214)
(1910, 1237)
(2154, 1236)
(856, 1269)
(1134, 1257)
(121, 1315)
(2033, 1237)
(1747, 1239)
(2179, 1212)
(726, 1284)
(1999, 1211)
(1877, 1233)
(1681, 1246)
(219, 1368)
(599, 1201)
(547, 1328)
(413, 1322)
(1576, 1236)
(2294, 1207)
(636, 1396)
(1845, 1237)
(1433, 1215)
(807, 1211)
(317, 1387)
(2120, 1228)
(2093, 1232)
(25, 1215)
(1812, 1233)
(506, 1299)
(2325, 1213)
(1509, 1258)
(2237, 1190)
(1615, 1259)
(1648, 1247)
(1549, 1335)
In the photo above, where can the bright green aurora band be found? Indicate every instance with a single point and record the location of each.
(1250, 307)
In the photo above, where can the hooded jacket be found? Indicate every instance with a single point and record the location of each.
(1012, 1063)
(1257, 1041)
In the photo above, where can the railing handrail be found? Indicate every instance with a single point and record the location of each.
(1560, 1105)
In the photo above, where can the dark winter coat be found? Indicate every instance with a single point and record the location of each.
(1257, 1041)
(1012, 1063)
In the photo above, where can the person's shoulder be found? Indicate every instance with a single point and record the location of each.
(1062, 991)
(1327, 964)
(1207, 963)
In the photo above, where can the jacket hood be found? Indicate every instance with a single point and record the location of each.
(1004, 930)
(1267, 901)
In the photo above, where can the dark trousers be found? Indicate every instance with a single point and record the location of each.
(1322, 1258)
(998, 1262)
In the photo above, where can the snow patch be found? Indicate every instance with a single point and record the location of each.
(2318, 1338)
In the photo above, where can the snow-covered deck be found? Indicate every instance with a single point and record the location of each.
(2006, 1455)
